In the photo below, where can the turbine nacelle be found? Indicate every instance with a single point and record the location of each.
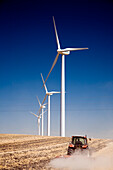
(62, 52)
(39, 117)
(49, 94)
(67, 51)
(52, 92)
(43, 107)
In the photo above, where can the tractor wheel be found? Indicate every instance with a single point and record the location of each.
(70, 151)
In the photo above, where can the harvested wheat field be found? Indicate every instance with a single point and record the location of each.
(37, 152)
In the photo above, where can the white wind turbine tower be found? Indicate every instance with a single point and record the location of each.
(63, 52)
(42, 106)
(48, 94)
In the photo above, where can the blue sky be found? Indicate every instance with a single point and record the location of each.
(28, 47)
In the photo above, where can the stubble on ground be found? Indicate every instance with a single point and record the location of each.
(35, 152)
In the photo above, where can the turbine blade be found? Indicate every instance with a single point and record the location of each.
(54, 92)
(39, 110)
(51, 68)
(45, 111)
(44, 84)
(44, 99)
(38, 101)
(73, 49)
(34, 114)
(45, 104)
(56, 33)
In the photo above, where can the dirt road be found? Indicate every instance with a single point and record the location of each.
(35, 152)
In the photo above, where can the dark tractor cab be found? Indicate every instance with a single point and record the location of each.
(78, 142)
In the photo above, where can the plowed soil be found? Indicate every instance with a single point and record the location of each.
(35, 152)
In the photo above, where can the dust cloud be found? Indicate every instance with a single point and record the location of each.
(83, 162)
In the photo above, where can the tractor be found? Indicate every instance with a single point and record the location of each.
(78, 145)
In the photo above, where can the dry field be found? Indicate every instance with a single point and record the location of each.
(35, 152)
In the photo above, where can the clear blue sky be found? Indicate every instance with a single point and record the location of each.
(28, 47)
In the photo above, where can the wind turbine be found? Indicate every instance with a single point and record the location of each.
(63, 52)
(42, 106)
(39, 117)
(48, 94)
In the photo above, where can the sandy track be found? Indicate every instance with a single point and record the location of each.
(35, 152)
